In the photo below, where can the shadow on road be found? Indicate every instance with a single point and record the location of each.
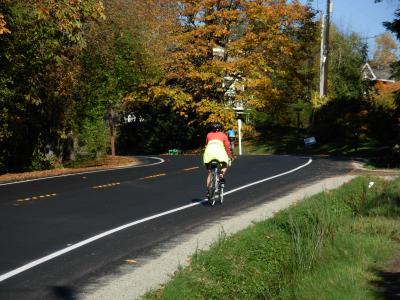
(64, 293)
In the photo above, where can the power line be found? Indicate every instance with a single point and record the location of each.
(370, 37)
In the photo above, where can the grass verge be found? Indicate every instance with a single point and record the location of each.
(330, 246)
(283, 140)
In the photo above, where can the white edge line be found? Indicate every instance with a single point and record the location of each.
(89, 172)
(111, 231)
(87, 241)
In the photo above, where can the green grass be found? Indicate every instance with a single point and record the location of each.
(344, 269)
(326, 247)
(287, 140)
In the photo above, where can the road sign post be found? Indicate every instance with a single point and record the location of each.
(239, 111)
(240, 135)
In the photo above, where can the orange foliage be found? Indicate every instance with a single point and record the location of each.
(262, 42)
(384, 88)
(3, 28)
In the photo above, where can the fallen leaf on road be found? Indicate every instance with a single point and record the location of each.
(131, 261)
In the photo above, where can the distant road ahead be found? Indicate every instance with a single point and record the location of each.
(58, 234)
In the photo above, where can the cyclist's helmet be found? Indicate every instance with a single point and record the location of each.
(217, 126)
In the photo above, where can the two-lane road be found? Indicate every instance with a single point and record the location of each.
(56, 234)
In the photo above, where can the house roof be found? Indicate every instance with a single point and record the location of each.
(383, 74)
(367, 72)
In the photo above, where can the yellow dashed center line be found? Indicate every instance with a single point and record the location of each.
(106, 185)
(36, 197)
(154, 176)
(189, 169)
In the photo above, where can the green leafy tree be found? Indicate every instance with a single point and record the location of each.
(347, 56)
(121, 60)
(38, 75)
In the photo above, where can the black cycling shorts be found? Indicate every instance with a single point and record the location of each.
(223, 164)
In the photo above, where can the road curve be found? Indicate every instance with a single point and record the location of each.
(57, 234)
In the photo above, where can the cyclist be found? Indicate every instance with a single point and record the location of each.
(217, 148)
(231, 136)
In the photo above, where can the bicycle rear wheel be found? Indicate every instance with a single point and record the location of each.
(221, 195)
(213, 188)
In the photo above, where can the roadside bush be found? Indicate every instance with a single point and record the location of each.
(157, 128)
(94, 138)
(39, 162)
(338, 119)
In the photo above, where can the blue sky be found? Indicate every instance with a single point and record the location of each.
(362, 16)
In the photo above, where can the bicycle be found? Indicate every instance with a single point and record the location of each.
(215, 187)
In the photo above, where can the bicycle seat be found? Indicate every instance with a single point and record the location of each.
(215, 164)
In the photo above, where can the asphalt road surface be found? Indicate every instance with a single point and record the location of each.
(59, 234)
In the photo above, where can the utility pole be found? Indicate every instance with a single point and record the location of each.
(325, 28)
(328, 21)
(322, 58)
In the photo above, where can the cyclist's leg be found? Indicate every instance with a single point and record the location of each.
(223, 171)
(208, 175)
(208, 178)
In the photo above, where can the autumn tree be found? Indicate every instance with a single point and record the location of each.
(65, 63)
(262, 43)
(385, 52)
(276, 53)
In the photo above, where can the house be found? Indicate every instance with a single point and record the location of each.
(380, 79)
